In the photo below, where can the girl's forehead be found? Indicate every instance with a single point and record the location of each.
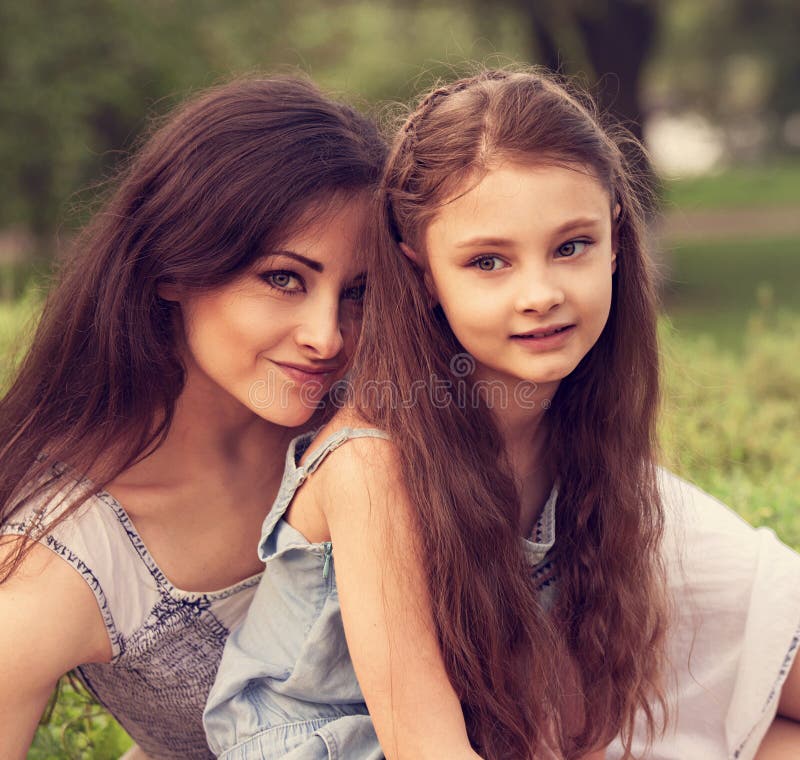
(537, 190)
(510, 170)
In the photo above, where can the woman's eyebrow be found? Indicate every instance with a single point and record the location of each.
(310, 263)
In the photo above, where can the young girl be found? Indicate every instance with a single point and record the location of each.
(211, 305)
(471, 560)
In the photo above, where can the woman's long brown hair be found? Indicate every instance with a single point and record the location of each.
(222, 182)
(517, 670)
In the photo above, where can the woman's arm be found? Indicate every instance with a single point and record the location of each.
(51, 623)
(383, 594)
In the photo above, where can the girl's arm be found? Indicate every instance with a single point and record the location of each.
(789, 704)
(782, 741)
(387, 618)
(51, 623)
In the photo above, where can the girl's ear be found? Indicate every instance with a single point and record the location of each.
(411, 254)
(614, 236)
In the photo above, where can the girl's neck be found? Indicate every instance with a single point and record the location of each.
(524, 433)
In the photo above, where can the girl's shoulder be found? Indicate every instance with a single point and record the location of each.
(708, 545)
(362, 462)
(688, 508)
(363, 453)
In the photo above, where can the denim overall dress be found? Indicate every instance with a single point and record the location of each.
(286, 687)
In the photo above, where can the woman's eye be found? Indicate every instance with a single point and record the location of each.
(287, 281)
(488, 263)
(572, 248)
(355, 292)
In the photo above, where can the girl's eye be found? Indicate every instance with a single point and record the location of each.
(572, 248)
(487, 263)
(288, 282)
(355, 292)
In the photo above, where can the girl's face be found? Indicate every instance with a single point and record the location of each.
(277, 337)
(522, 265)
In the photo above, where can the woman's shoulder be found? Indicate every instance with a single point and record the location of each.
(42, 582)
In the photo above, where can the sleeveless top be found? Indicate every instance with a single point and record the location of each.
(166, 643)
(286, 687)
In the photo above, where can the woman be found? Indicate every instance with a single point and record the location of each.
(212, 303)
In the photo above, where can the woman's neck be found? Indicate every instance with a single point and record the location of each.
(212, 435)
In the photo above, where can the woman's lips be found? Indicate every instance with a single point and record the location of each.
(303, 375)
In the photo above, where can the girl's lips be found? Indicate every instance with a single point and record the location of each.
(546, 339)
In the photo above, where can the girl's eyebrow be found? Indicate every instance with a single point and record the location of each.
(583, 221)
(498, 242)
(310, 263)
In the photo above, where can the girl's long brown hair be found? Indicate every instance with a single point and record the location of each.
(222, 182)
(517, 670)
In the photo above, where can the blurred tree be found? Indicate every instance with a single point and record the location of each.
(608, 41)
(80, 76)
(734, 61)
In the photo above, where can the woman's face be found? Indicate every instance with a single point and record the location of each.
(522, 266)
(278, 336)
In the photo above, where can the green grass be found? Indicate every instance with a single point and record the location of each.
(731, 420)
(17, 321)
(711, 288)
(78, 730)
(731, 424)
(776, 184)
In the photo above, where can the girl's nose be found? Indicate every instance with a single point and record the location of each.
(539, 292)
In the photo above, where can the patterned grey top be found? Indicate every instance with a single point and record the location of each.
(166, 643)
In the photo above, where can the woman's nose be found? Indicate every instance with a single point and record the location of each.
(320, 333)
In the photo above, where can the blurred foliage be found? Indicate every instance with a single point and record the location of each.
(17, 323)
(78, 78)
(729, 58)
